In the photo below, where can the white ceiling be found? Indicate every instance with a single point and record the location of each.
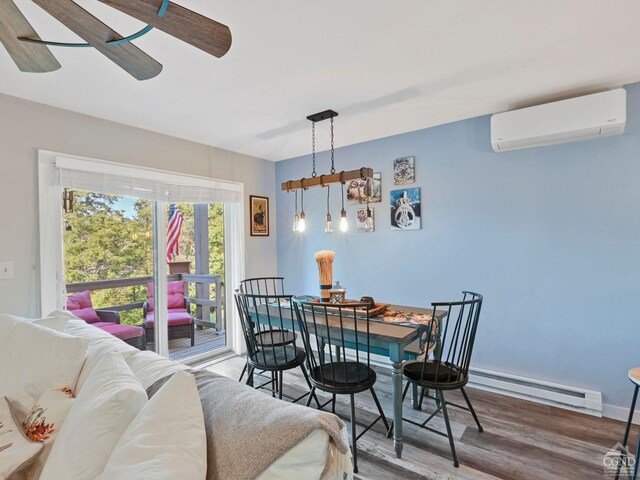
(387, 67)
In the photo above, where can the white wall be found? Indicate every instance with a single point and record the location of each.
(26, 127)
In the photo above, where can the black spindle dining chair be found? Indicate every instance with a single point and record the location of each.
(339, 325)
(448, 369)
(267, 286)
(261, 317)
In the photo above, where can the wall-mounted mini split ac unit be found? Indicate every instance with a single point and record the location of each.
(581, 118)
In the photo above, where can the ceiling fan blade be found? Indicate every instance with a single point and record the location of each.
(182, 23)
(126, 55)
(29, 57)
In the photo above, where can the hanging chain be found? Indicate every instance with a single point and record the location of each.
(333, 168)
(313, 142)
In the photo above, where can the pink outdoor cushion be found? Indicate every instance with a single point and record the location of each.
(175, 298)
(80, 305)
(177, 316)
(123, 332)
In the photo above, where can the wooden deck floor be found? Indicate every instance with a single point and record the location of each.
(521, 440)
(206, 340)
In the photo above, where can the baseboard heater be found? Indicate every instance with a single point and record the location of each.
(553, 394)
(539, 391)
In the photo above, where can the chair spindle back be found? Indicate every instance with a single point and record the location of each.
(342, 325)
(457, 336)
(262, 317)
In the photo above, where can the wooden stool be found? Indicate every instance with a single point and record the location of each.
(634, 376)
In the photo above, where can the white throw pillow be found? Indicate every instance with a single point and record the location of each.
(8, 322)
(149, 367)
(16, 452)
(36, 359)
(52, 321)
(44, 421)
(166, 440)
(110, 399)
(95, 353)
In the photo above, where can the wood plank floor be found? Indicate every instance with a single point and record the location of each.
(521, 440)
(206, 340)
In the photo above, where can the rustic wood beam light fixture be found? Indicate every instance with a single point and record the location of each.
(324, 180)
(333, 177)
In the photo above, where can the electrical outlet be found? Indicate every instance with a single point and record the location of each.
(6, 270)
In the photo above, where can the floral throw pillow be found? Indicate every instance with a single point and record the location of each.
(16, 452)
(43, 422)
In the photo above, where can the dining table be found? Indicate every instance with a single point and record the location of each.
(394, 333)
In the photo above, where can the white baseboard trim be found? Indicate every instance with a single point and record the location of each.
(620, 413)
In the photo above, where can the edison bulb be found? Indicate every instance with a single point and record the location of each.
(344, 224)
(328, 227)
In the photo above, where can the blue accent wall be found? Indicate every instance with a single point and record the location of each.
(550, 236)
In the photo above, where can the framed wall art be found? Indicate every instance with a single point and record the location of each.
(357, 190)
(405, 209)
(404, 170)
(258, 216)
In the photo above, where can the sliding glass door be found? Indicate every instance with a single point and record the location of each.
(146, 253)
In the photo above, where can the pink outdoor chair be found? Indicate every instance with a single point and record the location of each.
(181, 324)
(81, 306)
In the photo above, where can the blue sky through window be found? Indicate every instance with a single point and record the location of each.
(126, 204)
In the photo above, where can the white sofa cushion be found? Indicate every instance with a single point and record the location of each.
(110, 399)
(16, 451)
(166, 440)
(47, 359)
(100, 343)
(149, 367)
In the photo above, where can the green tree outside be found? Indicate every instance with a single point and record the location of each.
(102, 241)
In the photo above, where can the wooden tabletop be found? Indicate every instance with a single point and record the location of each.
(378, 329)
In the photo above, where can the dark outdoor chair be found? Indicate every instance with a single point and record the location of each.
(449, 367)
(81, 306)
(267, 286)
(334, 325)
(261, 318)
(180, 321)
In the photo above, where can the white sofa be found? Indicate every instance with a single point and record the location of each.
(103, 352)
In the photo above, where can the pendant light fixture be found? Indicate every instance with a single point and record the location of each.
(296, 217)
(365, 173)
(344, 223)
(368, 223)
(329, 227)
(302, 223)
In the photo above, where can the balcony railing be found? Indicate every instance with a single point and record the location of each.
(203, 300)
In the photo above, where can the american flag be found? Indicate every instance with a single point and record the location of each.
(173, 232)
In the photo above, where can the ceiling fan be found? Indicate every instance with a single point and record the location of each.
(32, 54)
